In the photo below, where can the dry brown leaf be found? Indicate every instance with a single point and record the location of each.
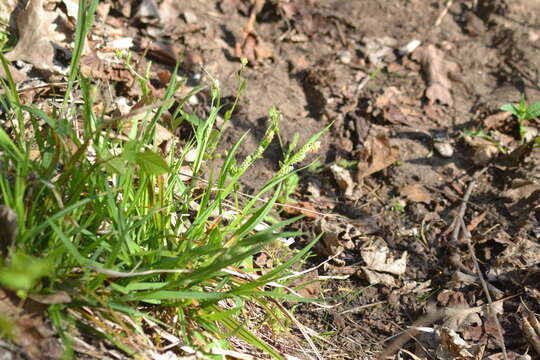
(186, 173)
(251, 46)
(161, 135)
(484, 150)
(301, 208)
(308, 285)
(525, 196)
(36, 36)
(378, 155)
(452, 346)
(374, 277)
(495, 120)
(476, 221)
(379, 259)
(94, 67)
(30, 331)
(437, 70)
(397, 107)
(416, 193)
(335, 239)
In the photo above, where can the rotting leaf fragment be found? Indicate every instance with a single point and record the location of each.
(378, 155)
(36, 33)
(437, 70)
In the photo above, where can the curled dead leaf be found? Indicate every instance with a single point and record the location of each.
(452, 346)
(301, 208)
(379, 260)
(525, 196)
(374, 278)
(251, 46)
(495, 120)
(378, 155)
(437, 70)
(37, 34)
(484, 150)
(416, 193)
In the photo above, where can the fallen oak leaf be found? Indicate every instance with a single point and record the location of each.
(378, 258)
(378, 155)
(525, 197)
(416, 193)
(252, 47)
(436, 69)
(36, 33)
(484, 150)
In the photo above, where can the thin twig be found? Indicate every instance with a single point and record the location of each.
(303, 329)
(361, 307)
(443, 13)
(402, 339)
(531, 329)
(492, 312)
(461, 214)
(463, 207)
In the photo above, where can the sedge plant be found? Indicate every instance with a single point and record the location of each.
(108, 222)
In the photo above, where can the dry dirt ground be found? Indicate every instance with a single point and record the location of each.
(419, 177)
(396, 163)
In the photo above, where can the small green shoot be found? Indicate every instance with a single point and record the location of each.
(398, 205)
(523, 113)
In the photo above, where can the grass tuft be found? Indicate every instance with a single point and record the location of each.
(144, 256)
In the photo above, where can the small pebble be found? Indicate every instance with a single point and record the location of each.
(193, 100)
(410, 47)
(444, 149)
(122, 105)
(190, 17)
(345, 57)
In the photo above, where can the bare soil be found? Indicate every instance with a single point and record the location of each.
(323, 69)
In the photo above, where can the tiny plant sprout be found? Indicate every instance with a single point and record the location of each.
(523, 112)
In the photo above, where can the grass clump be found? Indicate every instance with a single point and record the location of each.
(108, 222)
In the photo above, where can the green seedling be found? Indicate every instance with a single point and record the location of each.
(523, 113)
(398, 205)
